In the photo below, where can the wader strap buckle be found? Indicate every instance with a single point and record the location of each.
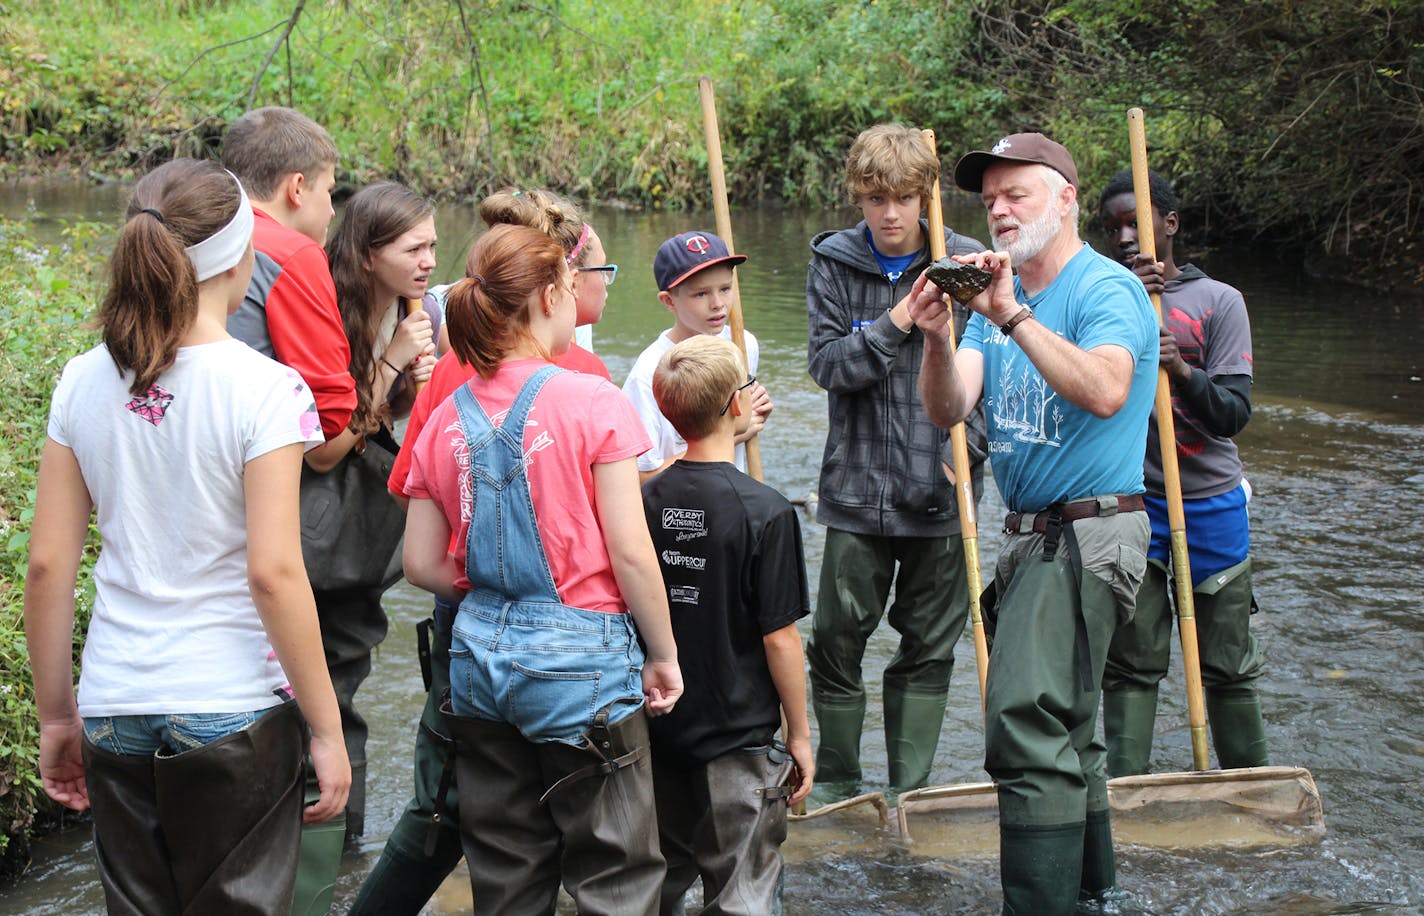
(422, 649)
(1052, 531)
(774, 792)
(447, 777)
(594, 769)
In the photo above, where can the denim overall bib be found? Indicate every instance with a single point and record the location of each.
(517, 653)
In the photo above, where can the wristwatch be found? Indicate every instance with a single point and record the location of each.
(1022, 315)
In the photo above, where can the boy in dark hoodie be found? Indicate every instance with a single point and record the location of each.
(884, 494)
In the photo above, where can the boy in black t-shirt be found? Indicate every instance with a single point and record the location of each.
(731, 557)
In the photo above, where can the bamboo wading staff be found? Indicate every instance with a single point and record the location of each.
(1171, 475)
(724, 229)
(412, 306)
(959, 445)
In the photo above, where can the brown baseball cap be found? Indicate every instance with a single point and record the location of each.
(1019, 148)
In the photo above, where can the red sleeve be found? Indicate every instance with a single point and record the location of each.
(579, 359)
(307, 334)
(449, 374)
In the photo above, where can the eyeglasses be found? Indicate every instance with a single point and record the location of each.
(751, 380)
(609, 272)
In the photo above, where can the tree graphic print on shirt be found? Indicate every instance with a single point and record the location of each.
(1026, 406)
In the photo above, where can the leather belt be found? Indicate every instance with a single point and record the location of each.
(1014, 522)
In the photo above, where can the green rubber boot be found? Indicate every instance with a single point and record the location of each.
(912, 727)
(318, 859)
(1099, 876)
(1128, 717)
(838, 752)
(1040, 868)
(1237, 730)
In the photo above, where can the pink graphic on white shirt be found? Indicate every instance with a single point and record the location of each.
(152, 405)
(310, 420)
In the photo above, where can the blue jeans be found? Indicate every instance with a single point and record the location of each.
(144, 735)
(547, 669)
(517, 653)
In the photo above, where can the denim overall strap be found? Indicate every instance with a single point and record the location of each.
(503, 551)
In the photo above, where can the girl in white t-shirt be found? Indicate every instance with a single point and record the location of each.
(551, 563)
(187, 445)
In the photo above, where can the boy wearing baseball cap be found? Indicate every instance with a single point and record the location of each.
(694, 275)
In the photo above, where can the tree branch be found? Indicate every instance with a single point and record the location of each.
(277, 46)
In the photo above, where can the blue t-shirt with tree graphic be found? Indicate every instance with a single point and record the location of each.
(1043, 449)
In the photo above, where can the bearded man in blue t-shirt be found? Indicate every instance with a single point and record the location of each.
(1065, 355)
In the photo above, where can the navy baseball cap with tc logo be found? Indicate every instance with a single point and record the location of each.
(686, 253)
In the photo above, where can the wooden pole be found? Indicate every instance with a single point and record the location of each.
(724, 229)
(963, 478)
(1171, 474)
(412, 306)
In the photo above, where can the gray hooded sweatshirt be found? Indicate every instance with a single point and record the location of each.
(881, 473)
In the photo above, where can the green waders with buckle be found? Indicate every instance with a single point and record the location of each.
(532, 814)
(209, 830)
(930, 607)
(1231, 663)
(1060, 596)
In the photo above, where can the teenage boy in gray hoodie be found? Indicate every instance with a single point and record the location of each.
(885, 494)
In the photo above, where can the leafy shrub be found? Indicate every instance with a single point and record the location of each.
(49, 297)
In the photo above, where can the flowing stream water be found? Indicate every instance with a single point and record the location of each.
(1335, 456)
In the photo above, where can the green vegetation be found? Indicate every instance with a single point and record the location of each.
(48, 300)
(1298, 120)
(1301, 121)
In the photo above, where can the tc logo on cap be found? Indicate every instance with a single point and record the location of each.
(698, 244)
(1001, 146)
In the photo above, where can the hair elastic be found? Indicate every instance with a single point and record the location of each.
(154, 213)
(583, 238)
(223, 250)
(479, 279)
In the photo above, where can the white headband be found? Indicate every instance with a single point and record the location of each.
(224, 249)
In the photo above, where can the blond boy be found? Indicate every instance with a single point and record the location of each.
(888, 508)
(732, 562)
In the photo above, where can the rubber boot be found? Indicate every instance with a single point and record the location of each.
(1128, 719)
(511, 842)
(1040, 868)
(401, 884)
(1099, 875)
(1237, 730)
(838, 751)
(318, 858)
(912, 727)
(133, 859)
(612, 863)
(232, 814)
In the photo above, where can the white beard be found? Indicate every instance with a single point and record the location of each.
(1033, 237)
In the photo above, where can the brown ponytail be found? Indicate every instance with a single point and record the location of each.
(487, 312)
(152, 299)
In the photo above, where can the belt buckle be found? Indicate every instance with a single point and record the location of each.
(1013, 523)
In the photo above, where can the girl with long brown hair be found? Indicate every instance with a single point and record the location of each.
(381, 256)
